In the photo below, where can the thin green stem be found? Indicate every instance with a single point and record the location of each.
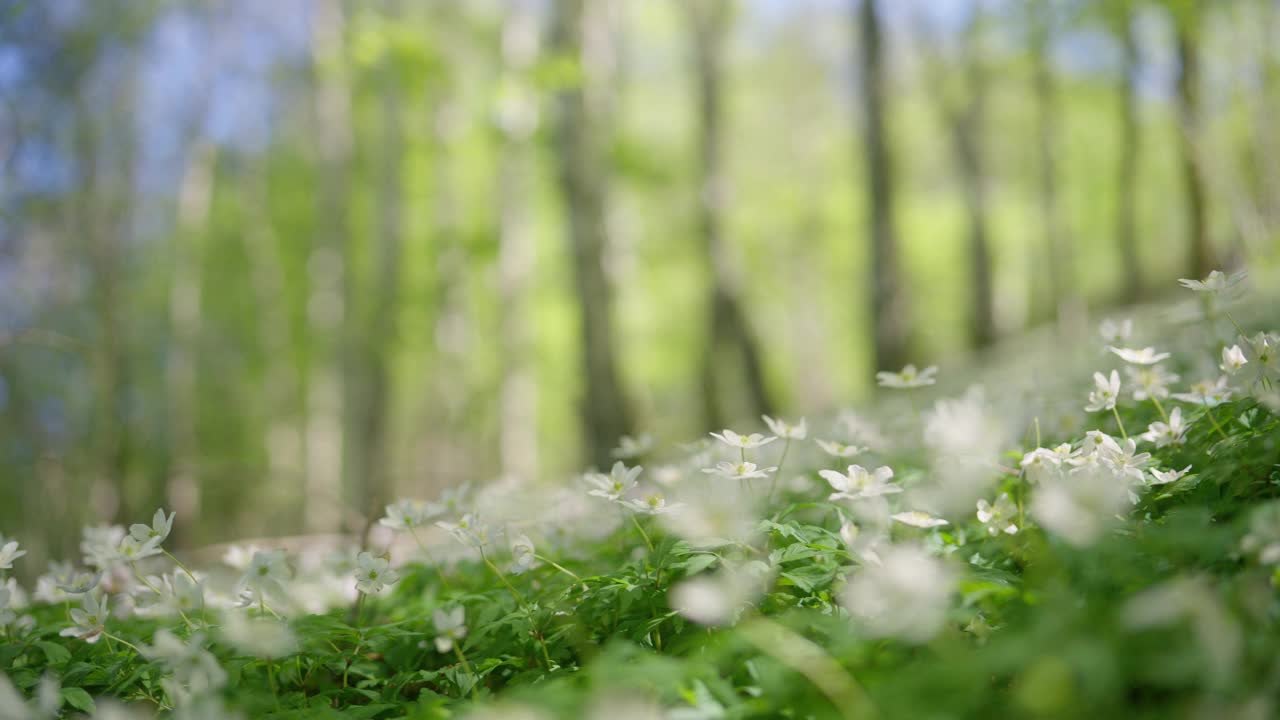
(467, 666)
(1208, 411)
(813, 662)
(557, 566)
(122, 641)
(773, 486)
(1160, 409)
(643, 534)
(1119, 422)
(1236, 324)
(179, 564)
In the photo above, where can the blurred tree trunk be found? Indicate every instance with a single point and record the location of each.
(375, 337)
(1130, 142)
(328, 395)
(1058, 257)
(581, 153)
(729, 331)
(185, 321)
(890, 312)
(1199, 253)
(518, 119)
(964, 117)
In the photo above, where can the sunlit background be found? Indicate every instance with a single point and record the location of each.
(270, 264)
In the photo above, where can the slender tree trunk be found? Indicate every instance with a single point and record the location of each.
(728, 329)
(378, 338)
(329, 295)
(1199, 253)
(1057, 257)
(967, 125)
(1127, 176)
(186, 320)
(580, 158)
(518, 428)
(890, 313)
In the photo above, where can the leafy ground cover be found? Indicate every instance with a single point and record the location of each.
(942, 558)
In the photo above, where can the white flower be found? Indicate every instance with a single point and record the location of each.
(77, 582)
(863, 545)
(1164, 477)
(998, 517)
(783, 429)
(857, 483)
(1216, 282)
(1080, 506)
(906, 596)
(915, 518)
(194, 669)
(89, 619)
(1126, 461)
(266, 575)
(523, 556)
(738, 470)
(1209, 393)
(259, 637)
(173, 594)
(1232, 360)
(1265, 348)
(614, 485)
(1113, 331)
(450, 626)
(908, 377)
(469, 530)
(633, 447)
(132, 549)
(8, 553)
(1145, 356)
(1170, 433)
(1150, 381)
(715, 598)
(374, 573)
(409, 514)
(743, 442)
(101, 545)
(157, 532)
(652, 504)
(839, 449)
(1105, 392)
(713, 515)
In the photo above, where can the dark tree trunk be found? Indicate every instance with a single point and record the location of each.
(1199, 253)
(580, 156)
(967, 124)
(1059, 269)
(888, 299)
(1127, 177)
(729, 331)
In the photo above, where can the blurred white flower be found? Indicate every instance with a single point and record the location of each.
(450, 627)
(8, 553)
(1170, 433)
(839, 449)
(172, 594)
(858, 483)
(651, 504)
(1209, 393)
(632, 447)
(89, 620)
(713, 516)
(1113, 331)
(77, 582)
(266, 575)
(1232, 360)
(132, 549)
(783, 429)
(1105, 392)
(1150, 381)
(1263, 538)
(374, 573)
(100, 545)
(614, 485)
(1164, 477)
(862, 544)
(468, 530)
(998, 517)
(259, 637)
(1265, 349)
(916, 518)
(1144, 356)
(906, 596)
(742, 442)
(194, 669)
(523, 555)
(1216, 282)
(1080, 506)
(907, 377)
(157, 532)
(739, 470)
(407, 514)
(716, 598)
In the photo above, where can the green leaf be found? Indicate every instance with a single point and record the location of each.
(78, 699)
(57, 654)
